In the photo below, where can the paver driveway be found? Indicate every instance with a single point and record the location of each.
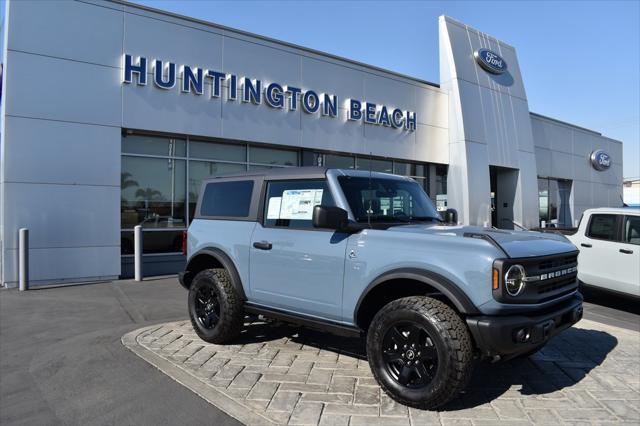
(287, 375)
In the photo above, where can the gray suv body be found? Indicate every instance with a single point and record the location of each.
(361, 253)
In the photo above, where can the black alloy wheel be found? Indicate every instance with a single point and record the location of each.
(410, 355)
(207, 307)
(420, 351)
(215, 307)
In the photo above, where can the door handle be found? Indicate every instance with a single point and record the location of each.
(626, 251)
(586, 245)
(263, 245)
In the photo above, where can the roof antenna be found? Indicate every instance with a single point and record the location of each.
(370, 209)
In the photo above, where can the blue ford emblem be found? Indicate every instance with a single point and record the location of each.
(490, 61)
(600, 160)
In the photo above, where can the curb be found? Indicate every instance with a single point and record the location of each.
(238, 411)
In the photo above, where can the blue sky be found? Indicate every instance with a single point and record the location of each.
(580, 60)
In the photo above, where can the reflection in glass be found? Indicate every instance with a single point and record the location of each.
(217, 151)
(338, 161)
(153, 145)
(153, 242)
(152, 192)
(404, 169)
(273, 156)
(553, 202)
(543, 199)
(384, 166)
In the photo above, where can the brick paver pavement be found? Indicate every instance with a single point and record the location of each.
(287, 375)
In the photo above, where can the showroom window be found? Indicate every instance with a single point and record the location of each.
(161, 177)
(432, 177)
(553, 202)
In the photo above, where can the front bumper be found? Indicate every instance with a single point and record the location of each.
(512, 335)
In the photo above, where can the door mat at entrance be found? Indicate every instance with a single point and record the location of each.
(279, 374)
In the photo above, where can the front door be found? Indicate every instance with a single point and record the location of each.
(293, 266)
(599, 250)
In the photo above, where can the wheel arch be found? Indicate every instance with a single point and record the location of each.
(208, 258)
(395, 284)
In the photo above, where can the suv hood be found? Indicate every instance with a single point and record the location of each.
(514, 243)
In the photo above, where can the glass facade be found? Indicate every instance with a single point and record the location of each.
(432, 177)
(553, 202)
(161, 178)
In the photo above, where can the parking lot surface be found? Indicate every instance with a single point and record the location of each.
(62, 362)
(280, 374)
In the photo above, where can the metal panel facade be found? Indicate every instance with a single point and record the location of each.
(64, 106)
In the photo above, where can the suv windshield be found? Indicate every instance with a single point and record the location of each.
(387, 200)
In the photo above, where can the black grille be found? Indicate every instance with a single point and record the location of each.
(548, 286)
(557, 263)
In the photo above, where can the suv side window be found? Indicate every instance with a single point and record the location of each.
(289, 204)
(632, 230)
(603, 227)
(227, 199)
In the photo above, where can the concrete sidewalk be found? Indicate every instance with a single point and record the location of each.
(62, 361)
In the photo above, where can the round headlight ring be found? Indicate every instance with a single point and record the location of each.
(514, 280)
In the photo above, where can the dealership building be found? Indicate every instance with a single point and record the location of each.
(113, 113)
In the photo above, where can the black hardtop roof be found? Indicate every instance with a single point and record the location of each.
(277, 172)
(291, 173)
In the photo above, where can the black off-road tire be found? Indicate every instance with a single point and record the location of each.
(447, 334)
(230, 314)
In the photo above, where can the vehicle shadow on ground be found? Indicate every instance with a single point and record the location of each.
(564, 361)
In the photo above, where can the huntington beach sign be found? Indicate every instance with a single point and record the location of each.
(234, 88)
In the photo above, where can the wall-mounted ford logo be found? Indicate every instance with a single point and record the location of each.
(490, 61)
(600, 160)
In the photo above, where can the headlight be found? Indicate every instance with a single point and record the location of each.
(514, 280)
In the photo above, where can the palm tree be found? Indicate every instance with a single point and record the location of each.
(149, 194)
(126, 181)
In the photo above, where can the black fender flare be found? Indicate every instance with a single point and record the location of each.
(221, 257)
(449, 289)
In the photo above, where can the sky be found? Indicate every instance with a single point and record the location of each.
(580, 60)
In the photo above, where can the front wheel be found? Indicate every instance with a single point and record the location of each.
(420, 351)
(215, 308)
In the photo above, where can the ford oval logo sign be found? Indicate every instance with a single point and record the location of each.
(600, 160)
(490, 61)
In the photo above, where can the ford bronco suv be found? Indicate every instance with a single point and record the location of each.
(367, 254)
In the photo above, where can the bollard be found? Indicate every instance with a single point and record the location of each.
(543, 224)
(23, 259)
(137, 252)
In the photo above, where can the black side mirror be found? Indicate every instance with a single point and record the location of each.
(451, 216)
(328, 217)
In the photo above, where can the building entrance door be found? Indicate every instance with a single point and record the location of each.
(504, 182)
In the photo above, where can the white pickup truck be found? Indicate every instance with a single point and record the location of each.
(609, 244)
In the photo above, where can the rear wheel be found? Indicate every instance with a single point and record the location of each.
(420, 351)
(215, 309)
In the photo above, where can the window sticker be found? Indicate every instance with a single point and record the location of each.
(298, 204)
(273, 209)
